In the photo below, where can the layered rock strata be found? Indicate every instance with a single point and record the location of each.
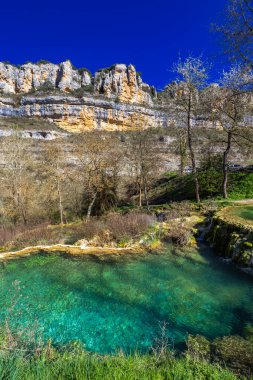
(114, 99)
(86, 113)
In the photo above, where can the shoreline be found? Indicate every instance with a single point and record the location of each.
(71, 250)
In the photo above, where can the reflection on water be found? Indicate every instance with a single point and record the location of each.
(112, 304)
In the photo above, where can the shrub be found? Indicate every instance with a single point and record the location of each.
(38, 235)
(42, 62)
(80, 92)
(82, 70)
(23, 236)
(128, 225)
(179, 234)
(235, 352)
(198, 347)
(46, 86)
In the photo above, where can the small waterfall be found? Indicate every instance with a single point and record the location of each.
(203, 231)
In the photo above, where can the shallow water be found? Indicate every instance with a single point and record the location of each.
(245, 212)
(121, 303)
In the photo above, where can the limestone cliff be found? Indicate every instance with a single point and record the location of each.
(123, 82)
(79, 114)
(115, 98)
(118, 81)
(28, 77)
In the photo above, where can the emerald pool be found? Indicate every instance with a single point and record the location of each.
(120, 303)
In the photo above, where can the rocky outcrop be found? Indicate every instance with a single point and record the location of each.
(79, 114)
(31, 77)
(232, 238)
(124, 83)
(30, 134)
(118, 81)
(115, 98)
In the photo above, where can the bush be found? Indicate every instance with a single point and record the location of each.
(235, 352)
(42, 62)
(32, 236)
(116, 227)
(46, 86)
(179, 234)
(82, 70)
(80, 92)
(198, 347)
(129, 225)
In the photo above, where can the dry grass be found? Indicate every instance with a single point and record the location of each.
(113, 228)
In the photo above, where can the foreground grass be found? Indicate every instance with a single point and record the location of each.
(82, 366)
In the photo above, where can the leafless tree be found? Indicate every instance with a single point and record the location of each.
(18, 182)
(193, 74)
(54, 169)
(100, 163)
(231, 105)
(237, 31)
(145, 162)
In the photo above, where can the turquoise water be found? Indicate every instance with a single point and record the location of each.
(120, 303)
(244, 212)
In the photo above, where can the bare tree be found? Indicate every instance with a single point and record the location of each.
(237, 31)
(193, 73)
(145, 162)
(181, 148)
(18, 182)
(99, 163)
(231, 106)
(54, 169)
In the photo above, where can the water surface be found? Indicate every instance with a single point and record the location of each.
(112, 304)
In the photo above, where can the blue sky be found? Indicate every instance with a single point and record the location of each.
(97, 33)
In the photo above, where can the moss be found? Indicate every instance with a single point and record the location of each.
(248, 244)
(229, 235)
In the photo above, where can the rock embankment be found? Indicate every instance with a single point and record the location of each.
(232, 236)
(71, 250)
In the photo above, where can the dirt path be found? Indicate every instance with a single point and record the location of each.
(245, 202)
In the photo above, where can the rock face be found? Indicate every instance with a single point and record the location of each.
(122, 82)
(115, 98)
(28, 77)
(118, 81)
(87, 113)
(233, 238)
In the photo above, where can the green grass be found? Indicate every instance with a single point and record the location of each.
(174, 187)
(81, 366)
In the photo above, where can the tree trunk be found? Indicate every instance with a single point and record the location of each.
(182, 152)
(91, 205)
(225, 166)
(140, 195)
(146, 193)
(192, 154)
(60, 202)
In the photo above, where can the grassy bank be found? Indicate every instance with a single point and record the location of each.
(173, 187)
(81, 366)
